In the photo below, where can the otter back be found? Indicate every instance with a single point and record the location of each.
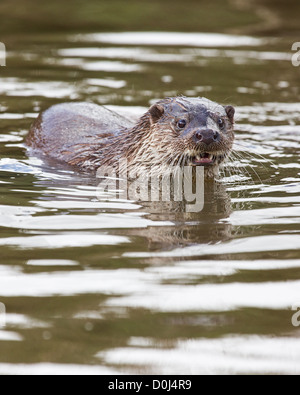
(71, 131)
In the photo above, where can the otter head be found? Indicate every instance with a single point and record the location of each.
(189, 131)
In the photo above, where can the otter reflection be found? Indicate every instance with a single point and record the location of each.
(202, 227)
(180, 228)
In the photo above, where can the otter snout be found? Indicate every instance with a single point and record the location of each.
(207, 136)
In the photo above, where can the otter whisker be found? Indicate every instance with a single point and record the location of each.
(252, 167)
(232, 158)
(256, 154)
(232, 171)
(237, 157)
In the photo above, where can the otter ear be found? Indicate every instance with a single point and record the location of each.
(230, 111)
(156, 112)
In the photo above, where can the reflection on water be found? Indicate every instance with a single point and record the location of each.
(230, 355)
(177, 39)
(105, 286)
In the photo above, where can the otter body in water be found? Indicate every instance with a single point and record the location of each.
(174, 132)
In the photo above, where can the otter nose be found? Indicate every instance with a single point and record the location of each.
(207, 136)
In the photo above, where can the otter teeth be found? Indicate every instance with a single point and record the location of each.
(205, 155)
(203, 159)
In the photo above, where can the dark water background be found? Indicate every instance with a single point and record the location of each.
(103, 286)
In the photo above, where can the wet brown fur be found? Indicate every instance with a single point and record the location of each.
(89, 136)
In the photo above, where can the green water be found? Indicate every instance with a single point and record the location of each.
(93, 286)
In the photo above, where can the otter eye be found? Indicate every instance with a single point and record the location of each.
(181, 124)
(221, 123)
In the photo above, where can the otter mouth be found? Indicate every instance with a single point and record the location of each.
(204, 159)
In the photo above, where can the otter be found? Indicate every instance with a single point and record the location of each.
(174, 132)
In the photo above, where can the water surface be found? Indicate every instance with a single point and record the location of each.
(103, 286)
